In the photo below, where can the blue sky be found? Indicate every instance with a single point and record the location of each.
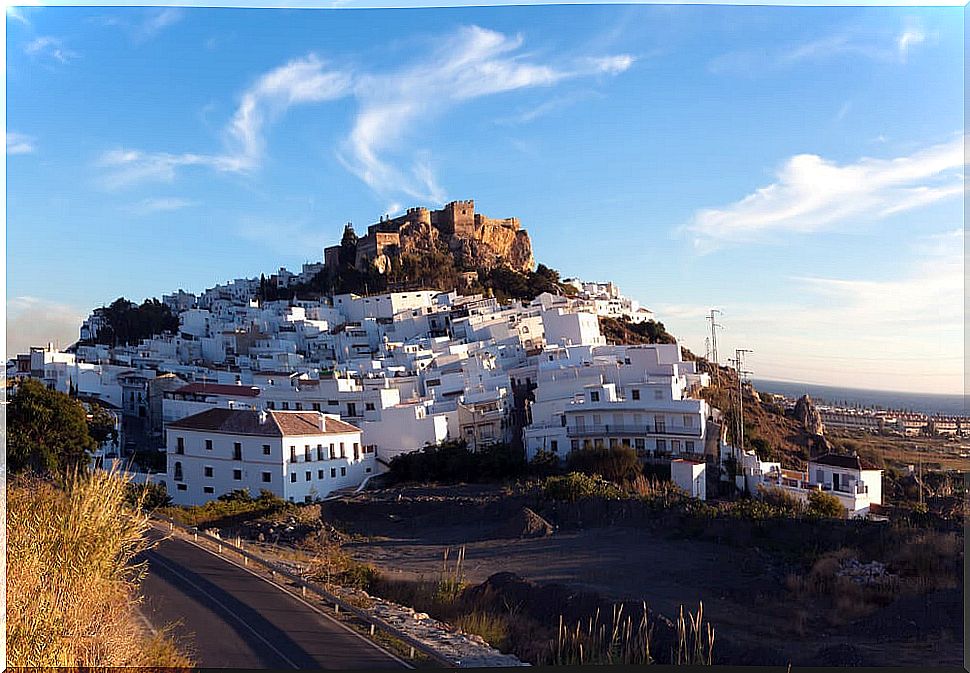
(798, 168)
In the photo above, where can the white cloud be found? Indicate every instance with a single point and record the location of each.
(908, 39)
(475, 62)
(392, 106)
(34, 322)
(811, 193)
(16, 14)
(156, 22)
(166, 204)
(18, 143)
(52, 47)
(299, 81)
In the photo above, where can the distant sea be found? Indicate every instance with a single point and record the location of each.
(879, 399)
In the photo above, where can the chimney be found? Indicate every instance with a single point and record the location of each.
(323, 422)
(263, 416)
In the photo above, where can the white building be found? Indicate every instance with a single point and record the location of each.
(855, 484)
(299, 456)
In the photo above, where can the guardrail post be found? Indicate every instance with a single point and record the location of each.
(171, 526)
(412, 651)
(303, 588)
(336, 607)
(220, 548)
(195, 536)
(245, 560)
(372, 629)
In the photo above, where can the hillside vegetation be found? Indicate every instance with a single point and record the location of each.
(72, 580)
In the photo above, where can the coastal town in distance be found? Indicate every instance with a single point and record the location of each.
(440, 356)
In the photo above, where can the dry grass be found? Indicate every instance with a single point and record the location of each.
(71, 580)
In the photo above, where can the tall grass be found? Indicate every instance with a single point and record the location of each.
(71, 580)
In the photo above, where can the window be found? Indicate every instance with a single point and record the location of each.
(351, 409)
(207, 471)
(181, 487)
(270, 405)
(178, 471)
(267, 477)
(597, 419)
(594, 396)
(367, 470)
(237, 475)
(635, 393)
(319, 451)
(661, 423)
(343, 451)
(689, 445)
(333, 472)
(574, 445)
(369, 406)
(343, 471)
(286, 406)
(208, 445)
(614, 442)
(356, 451)
(299, 406)
(309, 475)
(675, 446)
(333, 403)
(293, 477)
(316, 406)
(208, 489)
(307, 453)
(554, 445)
(237, 451)
(266, 449)
(661, 445)
(688, 421)
(333, 451)
(640, 443)
(292, 454)
(319, 474)
(658, 394)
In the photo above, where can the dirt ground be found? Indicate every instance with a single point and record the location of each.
(742, 588)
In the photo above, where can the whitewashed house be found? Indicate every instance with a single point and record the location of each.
(299, 456)
(856, 484)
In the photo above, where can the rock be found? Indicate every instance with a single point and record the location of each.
(524, 524)
(809, 416)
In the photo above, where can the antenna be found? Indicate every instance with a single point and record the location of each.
(714, 327)
(739, 360)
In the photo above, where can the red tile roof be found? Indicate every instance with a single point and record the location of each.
(277, 424)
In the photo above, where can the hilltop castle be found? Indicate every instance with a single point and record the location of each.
(472, 237)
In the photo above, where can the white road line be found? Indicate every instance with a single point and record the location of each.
(304, 601)
(239, 619)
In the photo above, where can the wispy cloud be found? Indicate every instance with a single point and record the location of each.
(392, 107)
(16, 13)
(888, 47)
(151, 23)
(811, 193)
(475, 62)
(18, 143)
(47, 46)
(151, 206)
(300, 81)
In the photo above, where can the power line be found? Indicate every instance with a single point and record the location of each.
(714, 327)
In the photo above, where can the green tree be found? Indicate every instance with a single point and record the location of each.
(826, 505)
(348, 246)
(619, 464)
(47, 431)
(101, 425)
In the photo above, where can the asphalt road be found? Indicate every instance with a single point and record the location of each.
(226, 617)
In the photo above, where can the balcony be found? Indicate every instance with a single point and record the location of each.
(631, 430)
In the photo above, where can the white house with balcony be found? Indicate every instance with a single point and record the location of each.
(299, 456)
(856, 484)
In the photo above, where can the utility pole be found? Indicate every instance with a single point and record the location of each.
(714, 327)
(739, 359)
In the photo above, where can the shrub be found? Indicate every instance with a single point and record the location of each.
(825, 505)
(619, 464)
(149, 496)
(454, 462)
(577, 486)
(71, 578)
(781, 499)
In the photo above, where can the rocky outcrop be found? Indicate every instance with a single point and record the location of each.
(810, 418)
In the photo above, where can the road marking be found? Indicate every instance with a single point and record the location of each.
(301, 600)
(222, 605)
